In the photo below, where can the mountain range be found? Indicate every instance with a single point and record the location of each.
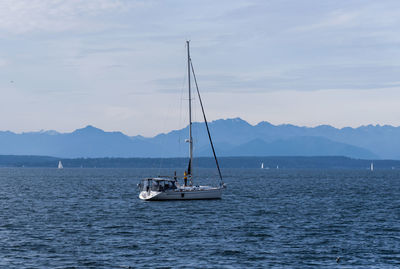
(231, 137)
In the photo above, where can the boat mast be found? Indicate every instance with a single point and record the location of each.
(190, 116)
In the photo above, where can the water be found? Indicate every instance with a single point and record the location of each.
(92, 218)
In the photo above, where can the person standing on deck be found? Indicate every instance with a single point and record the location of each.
(185, 178)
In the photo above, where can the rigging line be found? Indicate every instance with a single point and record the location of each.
(180, 114)
(171, 107)
(164, 150)
(205, 121)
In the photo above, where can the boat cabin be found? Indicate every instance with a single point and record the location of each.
(157, 184)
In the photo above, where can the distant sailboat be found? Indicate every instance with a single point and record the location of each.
(262, 165)
(277, 167)
(60, 166)
(372, 167)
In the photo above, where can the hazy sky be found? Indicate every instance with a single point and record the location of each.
(120, 64)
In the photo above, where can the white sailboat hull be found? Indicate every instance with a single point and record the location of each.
(188, 193)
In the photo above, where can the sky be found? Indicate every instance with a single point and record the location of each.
(120, 65)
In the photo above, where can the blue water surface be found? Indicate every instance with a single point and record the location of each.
(92, 218)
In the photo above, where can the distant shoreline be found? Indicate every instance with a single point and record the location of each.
(270, 162)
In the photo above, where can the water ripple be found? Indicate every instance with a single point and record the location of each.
(92, 218)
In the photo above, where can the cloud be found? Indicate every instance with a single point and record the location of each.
(26, 16)
(335, 19)
(3, 62)
(356, 22)
(308, 78)
(103, 62)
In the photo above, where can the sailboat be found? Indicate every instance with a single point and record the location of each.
(372, 167)
(262, 165)
(60, 166)
(169, 188)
